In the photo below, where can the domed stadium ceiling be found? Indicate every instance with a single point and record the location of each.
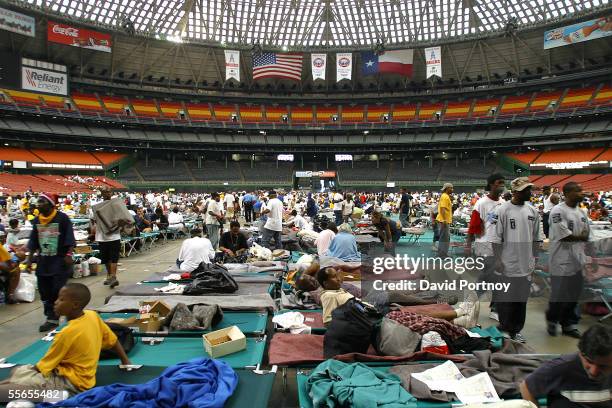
(316, 23)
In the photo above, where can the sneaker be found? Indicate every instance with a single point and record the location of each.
(575, 333)
(551, 328)
(494, 316)
(112, 282)
(519, 337)
(47, 326)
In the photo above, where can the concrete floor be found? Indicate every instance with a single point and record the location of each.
(19, 323)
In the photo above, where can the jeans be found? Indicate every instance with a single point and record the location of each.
(512, 306)
(248, 212)
(213, 234)
(404, 220)
(49, 287)
(444, 239)
(268, 235)
(338, 217)
(565, 292)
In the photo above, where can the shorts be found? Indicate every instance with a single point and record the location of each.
(28, 376)
(109, 251)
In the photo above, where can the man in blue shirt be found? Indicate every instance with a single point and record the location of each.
(247, 202)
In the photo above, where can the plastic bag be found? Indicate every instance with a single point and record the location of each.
(94, 260)
(26, 290)
(433, 343)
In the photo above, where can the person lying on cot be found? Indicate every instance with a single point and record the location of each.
(71, 362)
(333, 296)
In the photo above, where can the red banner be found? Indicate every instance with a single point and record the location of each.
(78, 37)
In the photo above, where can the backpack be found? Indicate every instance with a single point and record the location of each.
(352, 329)
(125, 337)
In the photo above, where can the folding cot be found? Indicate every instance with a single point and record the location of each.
(149, 289)
(253, 391)
(258, 302)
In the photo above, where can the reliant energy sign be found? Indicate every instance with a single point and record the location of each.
(36, 78)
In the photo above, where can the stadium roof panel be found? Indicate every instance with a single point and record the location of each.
(317, 23)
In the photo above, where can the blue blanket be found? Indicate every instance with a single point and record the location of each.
(201, 383)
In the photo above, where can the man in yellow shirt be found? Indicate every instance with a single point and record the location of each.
(445, 219)
(8, 269)
(71, 362)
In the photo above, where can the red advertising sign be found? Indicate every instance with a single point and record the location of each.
(78, 37)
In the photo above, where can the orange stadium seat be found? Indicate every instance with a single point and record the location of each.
(170, 109)
(458, 110)
(577, 97)
(569, 156)
(375, 112)
(115, 104)
(483, 108)
(87, 102)
(325, 113)
(67, 157)
(250, 113)
(143, 107)
(223, 112)
(199, 111)
(577, 178)
(515, 104)
(602, 183)
(543, 100)
(551, 179)
(23, 98)
(534, 177)
(107, 158)
(606, 155)
(404, 112)
(427, 111)
(301, 114)
(11, 154)
(275, 113)
(54, 101)
(526, 158)
(352, 114)
(604, 96)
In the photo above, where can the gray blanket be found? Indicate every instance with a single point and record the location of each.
(227, 302)
(149, 290)
(240, 278)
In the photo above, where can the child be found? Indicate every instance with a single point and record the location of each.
(70, 363)
(12, 239)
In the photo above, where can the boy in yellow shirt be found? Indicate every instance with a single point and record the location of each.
(71, 362)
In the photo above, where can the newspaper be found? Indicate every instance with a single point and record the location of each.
(447, 377)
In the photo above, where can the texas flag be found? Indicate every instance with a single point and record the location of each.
(390, 62)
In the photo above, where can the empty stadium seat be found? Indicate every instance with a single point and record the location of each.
(549, 180)
(604, 96)
(569, 156)
(602, 183)
(54, 101)
(107, 158)
(223, 113)
(302, 114)
(199, 111)
(250, 113)
(514, 104)
(428, 111)
(577, 97)
(87, 102)
(66, 157)
(404, 112)
(23, 98)
(143, 107)
(115, 105)
(376, 112)
(170, 109)
(325, 114)
(275, 113)
(458, 110)
(484, 107)
(543, 101)
(351, 114)
(12, 153)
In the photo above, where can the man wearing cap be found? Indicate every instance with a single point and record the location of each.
(274, 224)
(445, 219)
(515, 243)
(52, 239)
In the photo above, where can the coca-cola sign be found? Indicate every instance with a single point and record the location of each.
(78, 37)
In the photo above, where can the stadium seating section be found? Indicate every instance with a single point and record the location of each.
(20, 183)
(563, 156)
(60, 156)
(527, 104)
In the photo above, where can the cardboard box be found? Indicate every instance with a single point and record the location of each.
(82, 249)
(237, 342)
(151, 324)
(159, 307)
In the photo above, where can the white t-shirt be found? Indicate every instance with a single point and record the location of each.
(195, 251)
(486, 210)
(517, 227)
(338, 206)
(548, 205)
(300, 222)
(323, 240)
(347, 208)
(213, 207)
(229, 200)
(275, 216)
(565, 258)
(175, 218)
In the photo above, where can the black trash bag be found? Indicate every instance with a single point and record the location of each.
(213, 278)
(352, 329)
(125, 337)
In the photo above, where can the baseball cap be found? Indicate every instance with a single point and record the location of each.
(446, 185)
(520, 183)
(51, 197)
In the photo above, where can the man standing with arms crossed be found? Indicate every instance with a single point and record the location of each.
(515, 244)
(569, 231)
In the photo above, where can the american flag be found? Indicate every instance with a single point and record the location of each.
(273, 65)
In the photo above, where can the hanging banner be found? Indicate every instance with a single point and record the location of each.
(575, 33)
(17, 22)
(344, 66)
(318, 66)
(232, 65)
(78, 37)
(433, 61)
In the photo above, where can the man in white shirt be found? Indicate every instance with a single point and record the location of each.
(108, 245)
(569, 231)
(347, 208)
(337, 199)
(515, 244)
(228, 202)
(297, 221)
(274, 225)
(549, 200)
(175, 220)
(213, 216)
(195, 251)
(481, 230)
